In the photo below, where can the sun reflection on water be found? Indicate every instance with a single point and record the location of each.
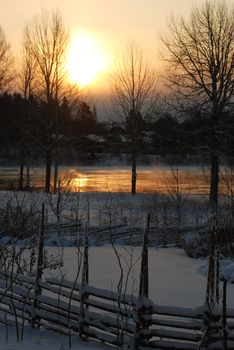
(79, 183)
(192, 180)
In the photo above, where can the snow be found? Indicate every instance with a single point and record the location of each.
(35, 339)
(227, 273)
(226, 270)
(174, 278)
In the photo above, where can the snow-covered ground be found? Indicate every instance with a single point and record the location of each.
(44, 340)
(174, 279)
(100, 208)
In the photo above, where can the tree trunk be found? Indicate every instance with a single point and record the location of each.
(55, 175)
(21, 173)
(28, 171)
(214, 171)
(214, 182)
(134, 174)
(48, 171)
(21, 177)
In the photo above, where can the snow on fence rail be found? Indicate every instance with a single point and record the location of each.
(118, 319)
(107, 316)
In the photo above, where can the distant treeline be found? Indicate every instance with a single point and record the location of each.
(27, 127)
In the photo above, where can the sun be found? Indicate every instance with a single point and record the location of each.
(87, 59)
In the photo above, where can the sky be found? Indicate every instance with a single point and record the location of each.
(113, 22)
(116, 21)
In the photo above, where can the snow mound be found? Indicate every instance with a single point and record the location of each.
(196, 245)
(226, 270)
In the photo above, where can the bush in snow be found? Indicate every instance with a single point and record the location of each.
(19, 221)
(196, 244)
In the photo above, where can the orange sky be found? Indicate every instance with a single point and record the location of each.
(115, 22)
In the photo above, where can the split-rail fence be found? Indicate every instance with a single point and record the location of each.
(119, 319)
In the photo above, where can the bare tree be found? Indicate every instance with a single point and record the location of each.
(26, 85)
(27, 68)
(200, 56)
(6, 71)
(134, 96)
(47, 39)
(177, 192)
(6, 61)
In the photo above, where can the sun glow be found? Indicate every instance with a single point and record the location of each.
(87, 59)
(79, 183)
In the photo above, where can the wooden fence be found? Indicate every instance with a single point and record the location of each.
(78, 309)
(94, 313)
(125, 234)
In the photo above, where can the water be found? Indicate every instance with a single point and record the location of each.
(161, 179)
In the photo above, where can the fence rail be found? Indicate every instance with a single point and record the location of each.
(107, 316)
(125, 234)
(118, 319)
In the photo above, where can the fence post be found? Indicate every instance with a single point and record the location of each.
(39, 270)
(211, 317)
(84, 283)
(144, 274)
(144, 305)
(224, 316)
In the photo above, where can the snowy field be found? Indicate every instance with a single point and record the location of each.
(173, 277)
(119, 208)
(174, 280)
